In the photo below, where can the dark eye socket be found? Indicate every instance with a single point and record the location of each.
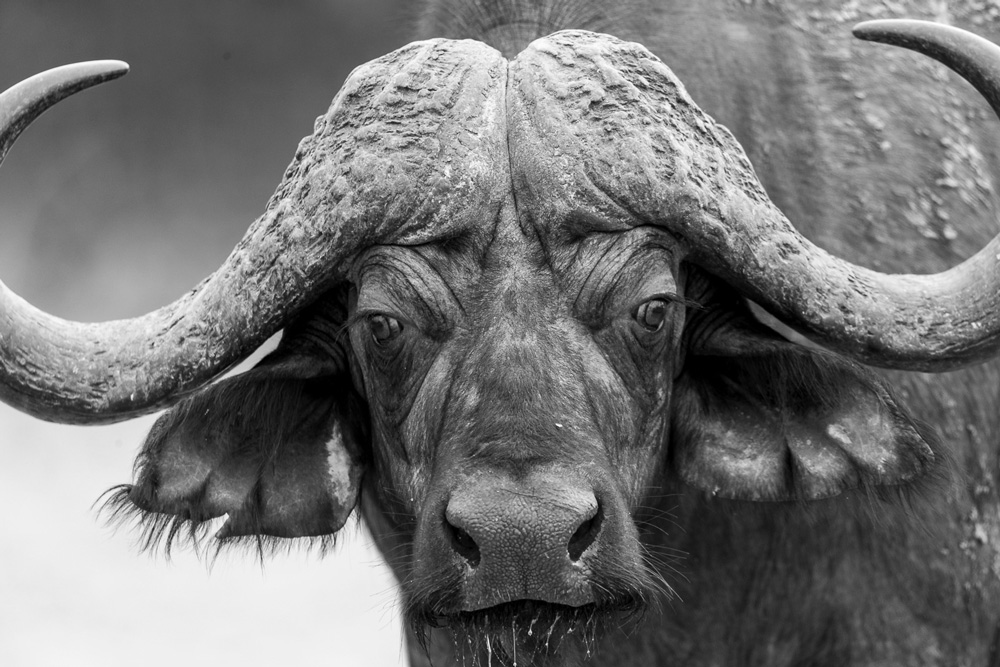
(384, 328)
(652, 314)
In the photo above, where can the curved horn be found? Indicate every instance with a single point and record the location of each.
(975, 59)
(20, 105)
(355, 181)
(932, 322)
(639, 151)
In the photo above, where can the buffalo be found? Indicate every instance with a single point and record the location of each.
(553, 336)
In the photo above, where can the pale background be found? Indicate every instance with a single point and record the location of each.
(115, 202)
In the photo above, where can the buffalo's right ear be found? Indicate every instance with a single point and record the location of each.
(278, 450)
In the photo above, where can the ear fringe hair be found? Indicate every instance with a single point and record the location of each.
(160, 533)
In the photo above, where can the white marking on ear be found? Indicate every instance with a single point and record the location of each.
(339, 467)
(472, 396)
(874, 449)
(839, 435)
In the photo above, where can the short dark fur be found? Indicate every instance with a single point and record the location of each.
(768, 583)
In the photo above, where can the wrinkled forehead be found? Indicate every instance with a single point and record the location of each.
(449, 140)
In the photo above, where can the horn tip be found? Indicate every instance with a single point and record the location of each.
(877, 29)
(114, 67)
(98, 71)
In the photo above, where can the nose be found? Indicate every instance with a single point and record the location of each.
(525, 539)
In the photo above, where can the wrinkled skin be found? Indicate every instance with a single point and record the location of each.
(530, 364)
(559, 419)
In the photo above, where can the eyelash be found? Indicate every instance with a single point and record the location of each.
(670, 297)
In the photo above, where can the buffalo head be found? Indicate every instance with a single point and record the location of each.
(514, 297)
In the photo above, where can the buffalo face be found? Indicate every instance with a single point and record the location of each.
(529, 345)
(514, 297)
(519, 405)
(534, 397)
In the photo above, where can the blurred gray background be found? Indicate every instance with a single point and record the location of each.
(112, 204)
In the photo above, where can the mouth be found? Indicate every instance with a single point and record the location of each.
(530, 633)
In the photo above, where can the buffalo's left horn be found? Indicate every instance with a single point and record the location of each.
(917, 322)
(608, 137)
(353, 183)
(932, 322)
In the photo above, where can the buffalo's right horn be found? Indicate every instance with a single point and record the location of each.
(358, 180)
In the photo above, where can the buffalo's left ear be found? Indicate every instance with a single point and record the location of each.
(278, 450)
(756, 417)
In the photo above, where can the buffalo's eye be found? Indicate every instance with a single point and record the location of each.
(652, 314)
(384, 328)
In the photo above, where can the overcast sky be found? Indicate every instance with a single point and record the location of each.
(112, 204)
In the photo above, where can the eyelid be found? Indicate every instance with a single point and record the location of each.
(664, 296)
(365, 313)
(399, 284)
(386, 297)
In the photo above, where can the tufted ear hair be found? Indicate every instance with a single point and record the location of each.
(757, 417)
(278, 450)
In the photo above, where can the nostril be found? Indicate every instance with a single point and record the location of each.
(463, 543)
(585, 534)
(463, 539)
